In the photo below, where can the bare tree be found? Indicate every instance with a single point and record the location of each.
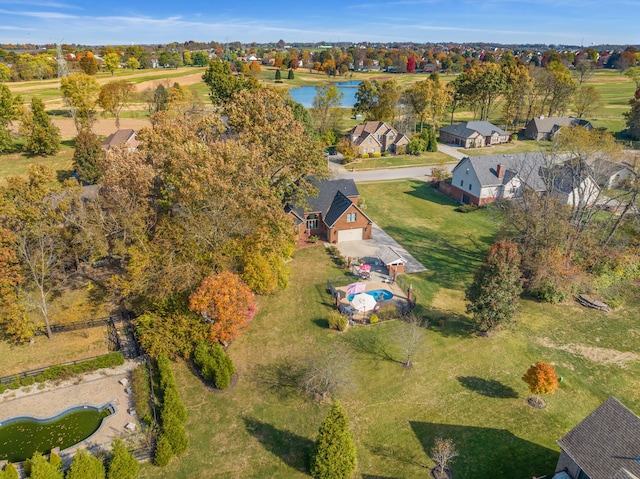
(443, 451)
(328, 374)
(411, 338)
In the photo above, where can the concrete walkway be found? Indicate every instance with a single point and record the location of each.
(370, 248)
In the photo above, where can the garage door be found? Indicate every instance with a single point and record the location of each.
(350, 235)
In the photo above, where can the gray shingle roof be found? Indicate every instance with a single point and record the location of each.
(606, 443)
(390, 256)
(528, 166)
(466, 129)
(339, 205)
(119, 137)
(327, 195)
(551, 124)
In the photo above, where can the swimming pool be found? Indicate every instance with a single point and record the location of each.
(20, 437)
(378, 294)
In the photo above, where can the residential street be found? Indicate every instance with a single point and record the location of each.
(418, 172)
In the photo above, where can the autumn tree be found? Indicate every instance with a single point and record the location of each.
(14, 324)
(122, 464)
(326, 106)
(85, 466)
(111, 62)
(226, 303)
(88, 63)
(634, 74)
(80, 93)
(334, 452)
(541, 378)
(34, 217)
(429, 99)
(480, 87)
(493, 296)
(88, 157)
(442, 452)
(114, 96)
(586, 101)
(377, 100)
(584, 71)
(519, 85)
(223, 83)
(42, 137)
(132, 63)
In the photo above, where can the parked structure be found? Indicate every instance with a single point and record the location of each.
(393, 261)
(473, 134)
(605, 445)
(333, 215)
(377, 137)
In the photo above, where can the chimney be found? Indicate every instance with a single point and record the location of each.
(500, 171)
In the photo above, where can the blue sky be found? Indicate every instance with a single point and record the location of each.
(505, 21)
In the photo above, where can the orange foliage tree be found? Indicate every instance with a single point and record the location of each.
(226, 303)
(541, 378)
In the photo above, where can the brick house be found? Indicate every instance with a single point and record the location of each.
(473, 134)
(377, 137)
(333, 215)
(605, 445)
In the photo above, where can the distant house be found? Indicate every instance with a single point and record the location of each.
(122, 138)
(481, 180)
(614, 175)
(542, 129)
(377, 137)
(333, 215)
(473, 134)
(605, 445)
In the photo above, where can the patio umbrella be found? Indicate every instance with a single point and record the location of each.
(355, 288)
(363, 302)
(365, 267)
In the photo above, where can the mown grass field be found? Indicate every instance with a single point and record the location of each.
(462, 386)
(426, 158)
(516, 146)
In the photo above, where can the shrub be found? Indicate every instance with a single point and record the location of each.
(548, 292)
(177, 437)
(385, 153)
(365, 155)
(374, 319)
(142, 394)
(467, 208)
(10, 472)
(313, 239)
(164, 452)
(387, 312)
(214, 364)
(15, 384)
(377, 154)
(338, 321)
(514, 137)
(3, 388)
(122, 464)
(333, 251)
(28, 381)
(55, 460)
(85, 466)
(40, 378)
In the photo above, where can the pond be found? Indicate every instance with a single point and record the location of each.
(306, 94)
(21, 437)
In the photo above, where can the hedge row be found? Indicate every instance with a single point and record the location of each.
(142, 394)
(173, 439)
(66, 371)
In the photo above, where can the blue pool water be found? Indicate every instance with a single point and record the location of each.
(378, 294)
(306, 94)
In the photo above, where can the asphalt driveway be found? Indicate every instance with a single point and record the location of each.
(370, 248)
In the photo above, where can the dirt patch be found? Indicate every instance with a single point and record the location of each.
(597, 355)
(185, 80)
(102, 127)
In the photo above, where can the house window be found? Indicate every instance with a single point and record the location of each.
(365, 150)
(351, 217)
(461, 182)
(369, 140)
(469, 186)
(312, 222)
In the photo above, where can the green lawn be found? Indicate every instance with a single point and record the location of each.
(464, 387)
(17, 163)
(518, 146)
(434, 158)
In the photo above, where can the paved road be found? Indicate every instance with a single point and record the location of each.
(388, 174)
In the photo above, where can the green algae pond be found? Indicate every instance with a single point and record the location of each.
(21, 437)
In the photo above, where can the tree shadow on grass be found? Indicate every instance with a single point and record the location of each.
(284, 378)
(425, 191)
(448, 324)
(397, 454)
(367, 341)
(62, 175)
(322, 323)
(488, 387)
(291, 448)
(488, 452)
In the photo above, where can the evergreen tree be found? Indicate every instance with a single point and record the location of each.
(493, 295)
(8, 110)
(164, 452)
(85, 466)
(290, 76)
(122, 464)
(278, 75)
(10, 472)
(87, 157)
(334, 453)
(42, 137)
(43, 469)
(633, 117)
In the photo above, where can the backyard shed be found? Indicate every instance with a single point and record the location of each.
(392, 260)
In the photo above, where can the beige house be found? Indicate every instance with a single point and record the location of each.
(473, 134)
(377, 137)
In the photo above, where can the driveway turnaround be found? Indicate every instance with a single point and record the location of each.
(370, 248)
